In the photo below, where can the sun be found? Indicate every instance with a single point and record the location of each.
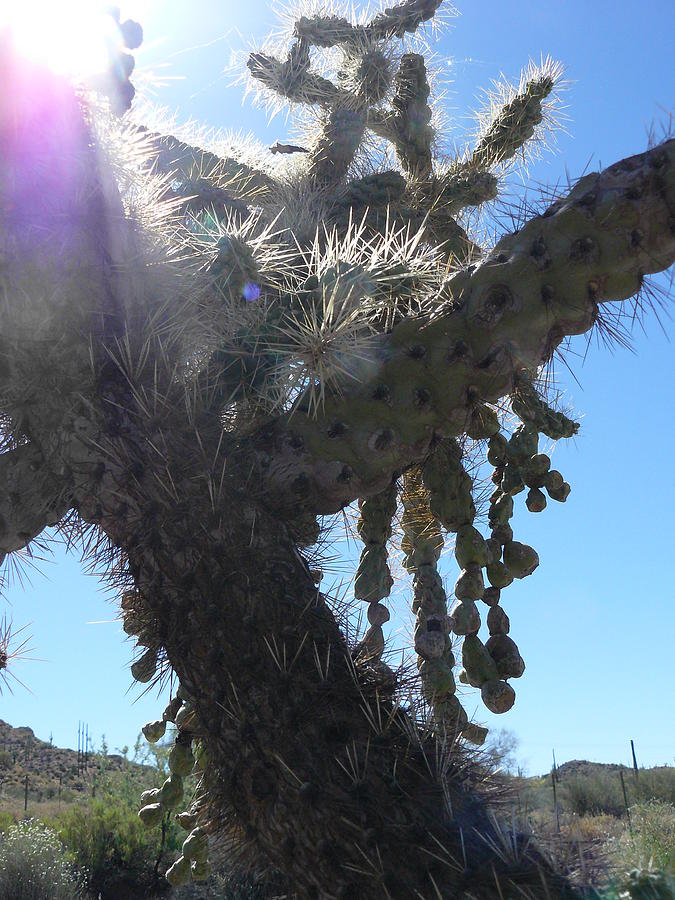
(70, 37)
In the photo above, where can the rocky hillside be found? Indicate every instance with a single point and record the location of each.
(21, 754)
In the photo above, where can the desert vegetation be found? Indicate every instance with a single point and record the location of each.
(231, 351)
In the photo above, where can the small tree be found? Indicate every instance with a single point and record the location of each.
(202, 355)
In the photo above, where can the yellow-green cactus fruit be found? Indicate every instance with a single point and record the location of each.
(171, 710)
(143, 670)
(483, 423)
(466, 618)
(478, 664)
(523, 443)
(470, 584)
(153, 731)
(373, 579)
(498, 696)
(186, 718)
(470, 547)
(181, 759)
(559, 493)
(475, 734)
(536, 500)
(437, 680)
(536, 469)
(187, 820)
(497, 621)
(491, 596)
(520, 559)
(179, 873)
(498, 576)
(504, 651)
(196, 844)
(151, 796)
(171, 792)
(151, 815)
(200, 869)
(496, 453)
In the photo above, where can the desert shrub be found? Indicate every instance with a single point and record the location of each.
(33, 865)
(592, 795)
(653, 840)
(6, 821)
(109, 843)
(6, 761)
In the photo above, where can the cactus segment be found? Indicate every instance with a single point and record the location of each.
(196, 844)
(378, 614)
(411, 133)
(437, 680)
(497, 450)
(529, 406)
(187, 820)
(515, 123)
(491, 595)
(336, 146)
(523, 443)
(373, 579)
(200, 870)
(151, 796)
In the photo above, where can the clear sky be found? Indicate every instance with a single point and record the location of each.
(596, 621)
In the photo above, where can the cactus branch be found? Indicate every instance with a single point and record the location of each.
(509, 312)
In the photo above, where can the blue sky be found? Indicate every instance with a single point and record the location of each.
(595, 623)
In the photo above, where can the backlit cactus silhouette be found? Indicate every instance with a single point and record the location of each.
(201, 355)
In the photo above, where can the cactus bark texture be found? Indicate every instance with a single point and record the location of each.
(142, 396)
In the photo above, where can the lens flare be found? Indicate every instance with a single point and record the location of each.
(71, 38)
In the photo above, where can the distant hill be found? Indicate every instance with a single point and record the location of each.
(21, 754)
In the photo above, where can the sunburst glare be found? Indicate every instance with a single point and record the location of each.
(75, 37)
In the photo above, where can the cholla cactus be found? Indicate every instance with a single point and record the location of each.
(201, 354)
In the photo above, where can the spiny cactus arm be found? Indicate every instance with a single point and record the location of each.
(292, 79)
(412, 133)
(515, 122)
(330, 31)
(171, 156)
(510, 312)
(31, 498)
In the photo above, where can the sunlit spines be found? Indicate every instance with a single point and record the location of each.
(514, 116)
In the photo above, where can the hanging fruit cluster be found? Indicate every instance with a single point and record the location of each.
(187, 757)
(438, 496)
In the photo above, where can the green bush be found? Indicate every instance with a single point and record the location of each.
(586, 795)
(652, 843)
(33, 865)
(109, 843)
